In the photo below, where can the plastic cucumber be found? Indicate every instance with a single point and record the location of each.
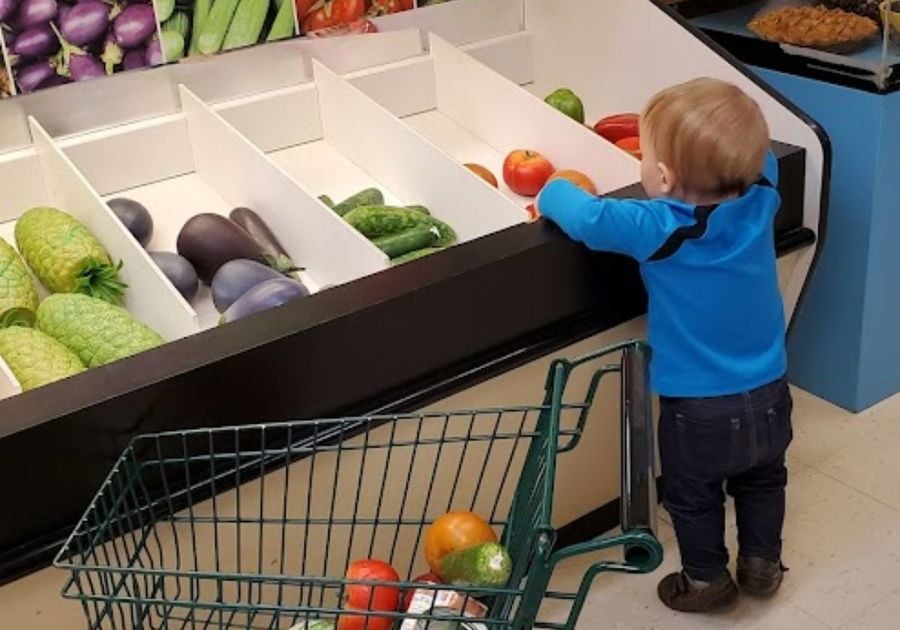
(416, 255)
(447, 234)
(283, 25)
(328, 201)
(367, 197)
(215, 25)
(247, 24)
(421, 209)
(377, 221)
(487, 565)
(409, 241)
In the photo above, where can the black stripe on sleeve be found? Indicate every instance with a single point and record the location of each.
(685, 233)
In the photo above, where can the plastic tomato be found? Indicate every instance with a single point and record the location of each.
(632, 145)
(327, 13)
(526, 172)
(579, 179)
(455, 531)
(361, 622)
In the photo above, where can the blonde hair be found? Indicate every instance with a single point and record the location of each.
(710, 133)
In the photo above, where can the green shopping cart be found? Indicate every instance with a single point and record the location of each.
(255, 526)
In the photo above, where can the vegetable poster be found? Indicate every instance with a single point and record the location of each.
(52, 42)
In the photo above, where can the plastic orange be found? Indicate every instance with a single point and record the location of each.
(576, 177)
(455, 531)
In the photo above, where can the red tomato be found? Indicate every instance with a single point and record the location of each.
(384, 7)
(632, 145)
(615, 128)
(429, 578)
(526, 172)
(362, 597)
(326, 13)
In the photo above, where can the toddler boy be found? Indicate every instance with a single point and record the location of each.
(705, 244)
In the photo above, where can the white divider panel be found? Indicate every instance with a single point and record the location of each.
(22, 183)
(507, 117)
(316, 238)
(353, 52)
(461, 21)
(611, 84)
(9, 386)
(405, 88)
(150, 297)
(417, 171)
(276, 120)
(510, 55)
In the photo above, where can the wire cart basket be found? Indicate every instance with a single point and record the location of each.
(255, 526)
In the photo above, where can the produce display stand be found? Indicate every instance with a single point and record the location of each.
(400, 109)
(853, 299)
(270, 553)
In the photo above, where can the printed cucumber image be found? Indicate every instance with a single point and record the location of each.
(206, 27)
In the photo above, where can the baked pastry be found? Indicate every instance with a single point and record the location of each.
(814, 27)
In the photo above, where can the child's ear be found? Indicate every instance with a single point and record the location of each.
(667, 179)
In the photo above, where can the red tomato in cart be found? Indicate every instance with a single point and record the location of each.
(526, 172)
(327, 13)
(363, 597)
(385, 7)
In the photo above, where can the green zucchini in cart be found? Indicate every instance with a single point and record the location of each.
(96, 331)
(66, 257)
(18, 297)
(36, 359)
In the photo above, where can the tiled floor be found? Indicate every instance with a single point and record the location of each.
(842, 538)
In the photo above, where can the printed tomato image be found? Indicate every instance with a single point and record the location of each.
(455, 531)
(362, 597)
(526, 172)
(318, 15)
(385, 7)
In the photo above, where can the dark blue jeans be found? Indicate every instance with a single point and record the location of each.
(734, 443)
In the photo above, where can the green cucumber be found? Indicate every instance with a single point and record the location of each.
(283, 25)
(417, 238)
(367, 197)
(247, 24)
(215, 26)
(179, 23)
(421, 209)
(447, 234)
(200, 15)
(487, 565)
(328, 201)
(416, 255)
(377, 221)
(164, 9)
(172, 45)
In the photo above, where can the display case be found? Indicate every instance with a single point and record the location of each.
(403, 110)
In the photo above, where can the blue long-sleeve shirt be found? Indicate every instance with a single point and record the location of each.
(716, 317)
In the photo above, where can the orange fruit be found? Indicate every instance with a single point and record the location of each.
(576, 177)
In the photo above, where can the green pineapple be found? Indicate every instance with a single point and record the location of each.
(18, 297)
(35, 358)
(96, 331)
(66, 257)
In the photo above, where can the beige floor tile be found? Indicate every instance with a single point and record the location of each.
(34, 602)
(885, 615)
(871, 465)
(822, 429)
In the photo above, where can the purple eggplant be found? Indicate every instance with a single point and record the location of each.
(134, 59)
(7, 8)
(179, 271)
(154, 55)
(38, 41)
(262, 297)
(85, 67)
(211, 240)
(235, 278)
(134, 25)
(35, 12)
(135, 217)
(63, 11)
(33, 75)
(276, 256)
(86, 22)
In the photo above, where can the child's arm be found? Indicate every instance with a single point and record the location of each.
(634, 228)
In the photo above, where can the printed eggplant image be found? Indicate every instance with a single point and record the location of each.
(51, 42)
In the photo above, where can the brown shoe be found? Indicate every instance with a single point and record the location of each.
(759, 577)
(679, 593)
